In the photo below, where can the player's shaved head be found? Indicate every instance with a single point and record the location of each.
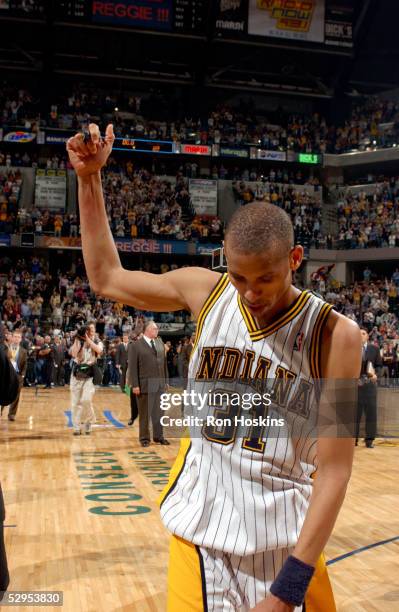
(260, 227)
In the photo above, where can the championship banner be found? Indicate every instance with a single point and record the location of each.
(204, 196)
(289, 19)
(50, 189)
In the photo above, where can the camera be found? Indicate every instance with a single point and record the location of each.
(81, 330)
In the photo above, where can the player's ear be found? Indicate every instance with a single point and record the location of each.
(296, 257)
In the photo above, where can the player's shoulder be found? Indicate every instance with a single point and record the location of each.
(196, 285)
(341, 326)
(336, 323)
(341, 344)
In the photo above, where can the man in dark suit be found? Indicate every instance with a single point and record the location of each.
(121, 360)
(58, 348)
(46, 353)
(134, 409)
(9, 390)
(147, 377)
(367, 397)
(19, 360)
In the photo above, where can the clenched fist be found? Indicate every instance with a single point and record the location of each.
(89, 158)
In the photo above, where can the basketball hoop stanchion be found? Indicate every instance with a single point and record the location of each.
(218, 260)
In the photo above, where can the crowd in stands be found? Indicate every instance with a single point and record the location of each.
(369, 220)
(48, 308)
(370, 124)
(223, 171)
(142, 205)
(10, 185)
(374, 304)
(139, 205)
(13, 159)
(303, 207)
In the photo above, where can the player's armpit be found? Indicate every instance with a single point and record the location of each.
(183, 289)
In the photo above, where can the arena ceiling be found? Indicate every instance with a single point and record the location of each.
(49, 46)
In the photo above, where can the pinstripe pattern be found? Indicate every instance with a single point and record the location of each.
(239, 583)
(228, 498)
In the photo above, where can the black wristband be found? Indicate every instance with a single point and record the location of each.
(292, 581)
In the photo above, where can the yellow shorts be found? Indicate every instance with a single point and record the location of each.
(200, 581)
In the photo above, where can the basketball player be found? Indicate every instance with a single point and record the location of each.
(249, 524)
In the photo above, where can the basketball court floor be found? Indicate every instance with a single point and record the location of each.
(82, 514)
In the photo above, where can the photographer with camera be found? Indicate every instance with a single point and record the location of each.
(84, 351)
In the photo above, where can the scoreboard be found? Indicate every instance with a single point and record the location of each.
(174, 16)
(22, 8)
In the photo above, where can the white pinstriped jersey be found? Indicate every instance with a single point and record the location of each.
(243, 495)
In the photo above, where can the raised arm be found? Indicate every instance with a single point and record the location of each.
(184, 289)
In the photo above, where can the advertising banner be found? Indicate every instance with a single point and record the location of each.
(144, 245)
(58, 138)
(19, 136)
(289, 19)
(125, 245)
(339, 24)
(280, 156)
(231, 18)
(53, 242)
(194, 149)
(204, 196)
(206, 248)
(233, 152)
